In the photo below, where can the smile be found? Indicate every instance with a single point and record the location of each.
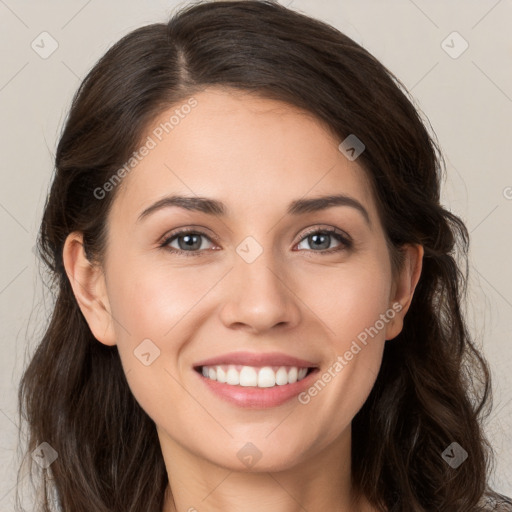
(256, 380)
(247, 376)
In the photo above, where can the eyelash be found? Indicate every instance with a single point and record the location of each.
(346, 243)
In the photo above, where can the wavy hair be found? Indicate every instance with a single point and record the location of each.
(434, 385)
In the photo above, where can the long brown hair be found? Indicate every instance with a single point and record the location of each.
(433, 388)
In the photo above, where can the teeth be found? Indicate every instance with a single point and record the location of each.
(265, 377)
(281, 376)
(248, 376)
(221, 375)
(233, 377)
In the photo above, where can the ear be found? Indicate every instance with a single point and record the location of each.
(404, 286)
(89, 287)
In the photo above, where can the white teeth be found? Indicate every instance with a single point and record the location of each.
(264, 377)
(248, 376)
(233, 377)
(281, 376)
(221, 375)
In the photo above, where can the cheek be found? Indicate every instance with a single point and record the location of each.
(347, 299)
(157, 311)
(149, 300)
(152, 307)
(352, 303)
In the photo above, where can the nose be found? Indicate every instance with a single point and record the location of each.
(259, 297)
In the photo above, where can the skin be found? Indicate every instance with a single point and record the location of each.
(255, 155)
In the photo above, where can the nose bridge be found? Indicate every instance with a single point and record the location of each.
(258, 294)
(261, 274)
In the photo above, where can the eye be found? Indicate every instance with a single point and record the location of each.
(321, 239)
(189, 242)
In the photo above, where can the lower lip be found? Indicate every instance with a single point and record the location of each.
(258, 398)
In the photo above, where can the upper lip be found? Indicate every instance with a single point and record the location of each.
(256, 359)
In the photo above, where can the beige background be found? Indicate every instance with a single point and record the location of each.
(468, 100)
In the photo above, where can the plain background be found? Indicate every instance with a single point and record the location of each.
(466, 95)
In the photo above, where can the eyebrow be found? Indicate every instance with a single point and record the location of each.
(219, 209)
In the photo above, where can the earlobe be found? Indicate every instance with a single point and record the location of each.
(89, 287)
(404, 286)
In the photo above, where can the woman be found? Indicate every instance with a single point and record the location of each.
(258, 295)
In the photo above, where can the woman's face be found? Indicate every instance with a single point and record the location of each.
(260, 292)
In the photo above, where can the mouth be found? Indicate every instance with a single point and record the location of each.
(253, 376)
(256, 381)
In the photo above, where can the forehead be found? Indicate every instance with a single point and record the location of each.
(253, 154)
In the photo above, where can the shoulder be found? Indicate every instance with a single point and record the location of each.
(492, 501)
